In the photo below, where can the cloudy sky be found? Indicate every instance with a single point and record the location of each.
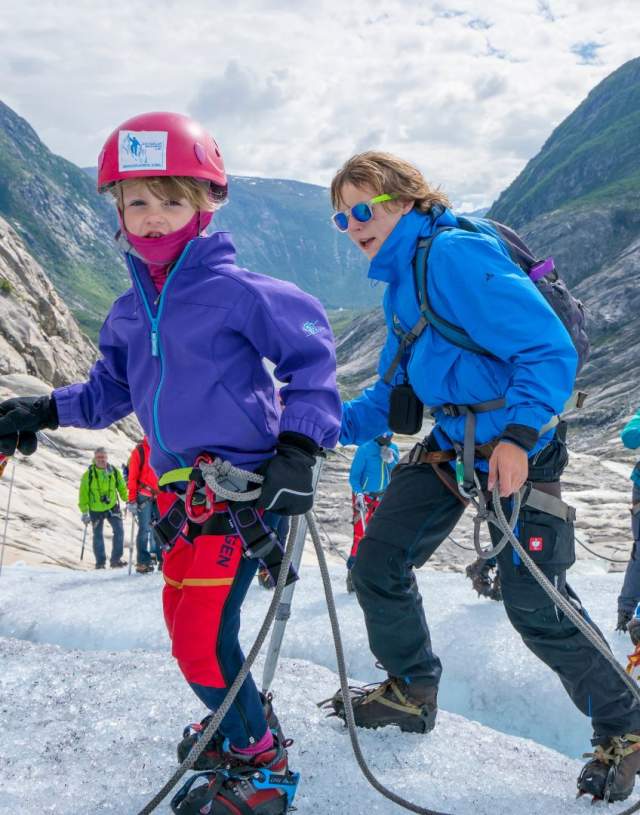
(467, 89)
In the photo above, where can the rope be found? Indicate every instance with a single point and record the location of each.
(333, 546)
(602, 557)
(219, 471)
(344, 682)
(221, 712)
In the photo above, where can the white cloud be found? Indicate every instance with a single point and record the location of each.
(467, 91)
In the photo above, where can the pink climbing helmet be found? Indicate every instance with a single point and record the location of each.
(161, 144)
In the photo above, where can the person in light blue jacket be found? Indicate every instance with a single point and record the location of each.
(501, 392)
(630, 593)
(369, 477)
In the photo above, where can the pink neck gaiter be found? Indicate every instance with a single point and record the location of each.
(160, 253)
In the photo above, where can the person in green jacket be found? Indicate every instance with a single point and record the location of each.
(630, 593)
(100, 488)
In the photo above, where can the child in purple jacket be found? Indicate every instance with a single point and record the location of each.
(183, 348)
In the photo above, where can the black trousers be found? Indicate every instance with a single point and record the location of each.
(417, 513)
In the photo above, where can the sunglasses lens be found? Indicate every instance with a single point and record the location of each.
(362, 213)
(341, 220)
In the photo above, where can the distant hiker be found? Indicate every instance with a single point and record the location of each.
(142, 484)
(369, 477)
(101, 488)
(184, 348)
(630, 592)
(514, 374)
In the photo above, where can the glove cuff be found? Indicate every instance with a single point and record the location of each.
(300, 441)
(51, 418)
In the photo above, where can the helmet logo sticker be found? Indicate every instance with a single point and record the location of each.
(142, 150)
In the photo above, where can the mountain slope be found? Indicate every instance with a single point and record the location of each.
(591, 157)
(281, 228)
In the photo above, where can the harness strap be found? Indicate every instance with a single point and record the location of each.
(544, 502)
(406, 340)
(466, 455)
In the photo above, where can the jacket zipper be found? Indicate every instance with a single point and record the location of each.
(156, 348)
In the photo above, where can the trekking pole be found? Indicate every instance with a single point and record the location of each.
(84, 540)
(133, 528)
(284, 607)
(6, 516)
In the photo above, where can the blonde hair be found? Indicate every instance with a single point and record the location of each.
(386, 173)
(202, 195)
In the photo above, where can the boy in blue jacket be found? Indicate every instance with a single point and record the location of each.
(386, 206)
(369, 477)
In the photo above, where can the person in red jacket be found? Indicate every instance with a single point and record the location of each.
(142, 483)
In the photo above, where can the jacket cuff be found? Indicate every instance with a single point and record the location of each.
(521, 435)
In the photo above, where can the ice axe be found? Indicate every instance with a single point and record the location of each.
(284, 608)
(133, 529)
(3, 463)
(84, 540)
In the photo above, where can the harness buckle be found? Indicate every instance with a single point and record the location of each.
(451, 410)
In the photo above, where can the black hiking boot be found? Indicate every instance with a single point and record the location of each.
(255, 785)
(479, 572)
(624, 618)
(413, 707)
(212, 756)
(634, 630)
(611, 773)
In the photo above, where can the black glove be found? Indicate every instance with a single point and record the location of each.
(21, 418)
(288, 476)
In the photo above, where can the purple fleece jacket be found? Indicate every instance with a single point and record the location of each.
(189, 362)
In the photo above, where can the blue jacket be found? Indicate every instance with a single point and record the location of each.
(369, 473)
(631, 438)
(472, 283)
(190, 362)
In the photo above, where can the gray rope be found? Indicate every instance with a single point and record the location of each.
(221, 712)
(229, 483)
(333, 546)
(460, 545)
(602, 557)
(344, 681)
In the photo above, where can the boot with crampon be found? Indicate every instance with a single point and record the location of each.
(479, 573)
(212, 756)
(412, 706)
(611, 772)
(243, 785)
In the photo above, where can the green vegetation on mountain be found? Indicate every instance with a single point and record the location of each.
(591, 158)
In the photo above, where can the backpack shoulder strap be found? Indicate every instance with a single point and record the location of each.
(451, 332)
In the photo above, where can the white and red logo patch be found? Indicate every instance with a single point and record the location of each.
(536, 544)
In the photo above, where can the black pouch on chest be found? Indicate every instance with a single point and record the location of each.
(405, 410)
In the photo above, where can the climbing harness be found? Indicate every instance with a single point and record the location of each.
(216, 486)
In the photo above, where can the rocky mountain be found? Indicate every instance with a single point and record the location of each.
(578, 200)
(41, 347)
(281, 228)
(38, 334)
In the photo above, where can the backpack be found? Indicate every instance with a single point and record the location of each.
(542, 274)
